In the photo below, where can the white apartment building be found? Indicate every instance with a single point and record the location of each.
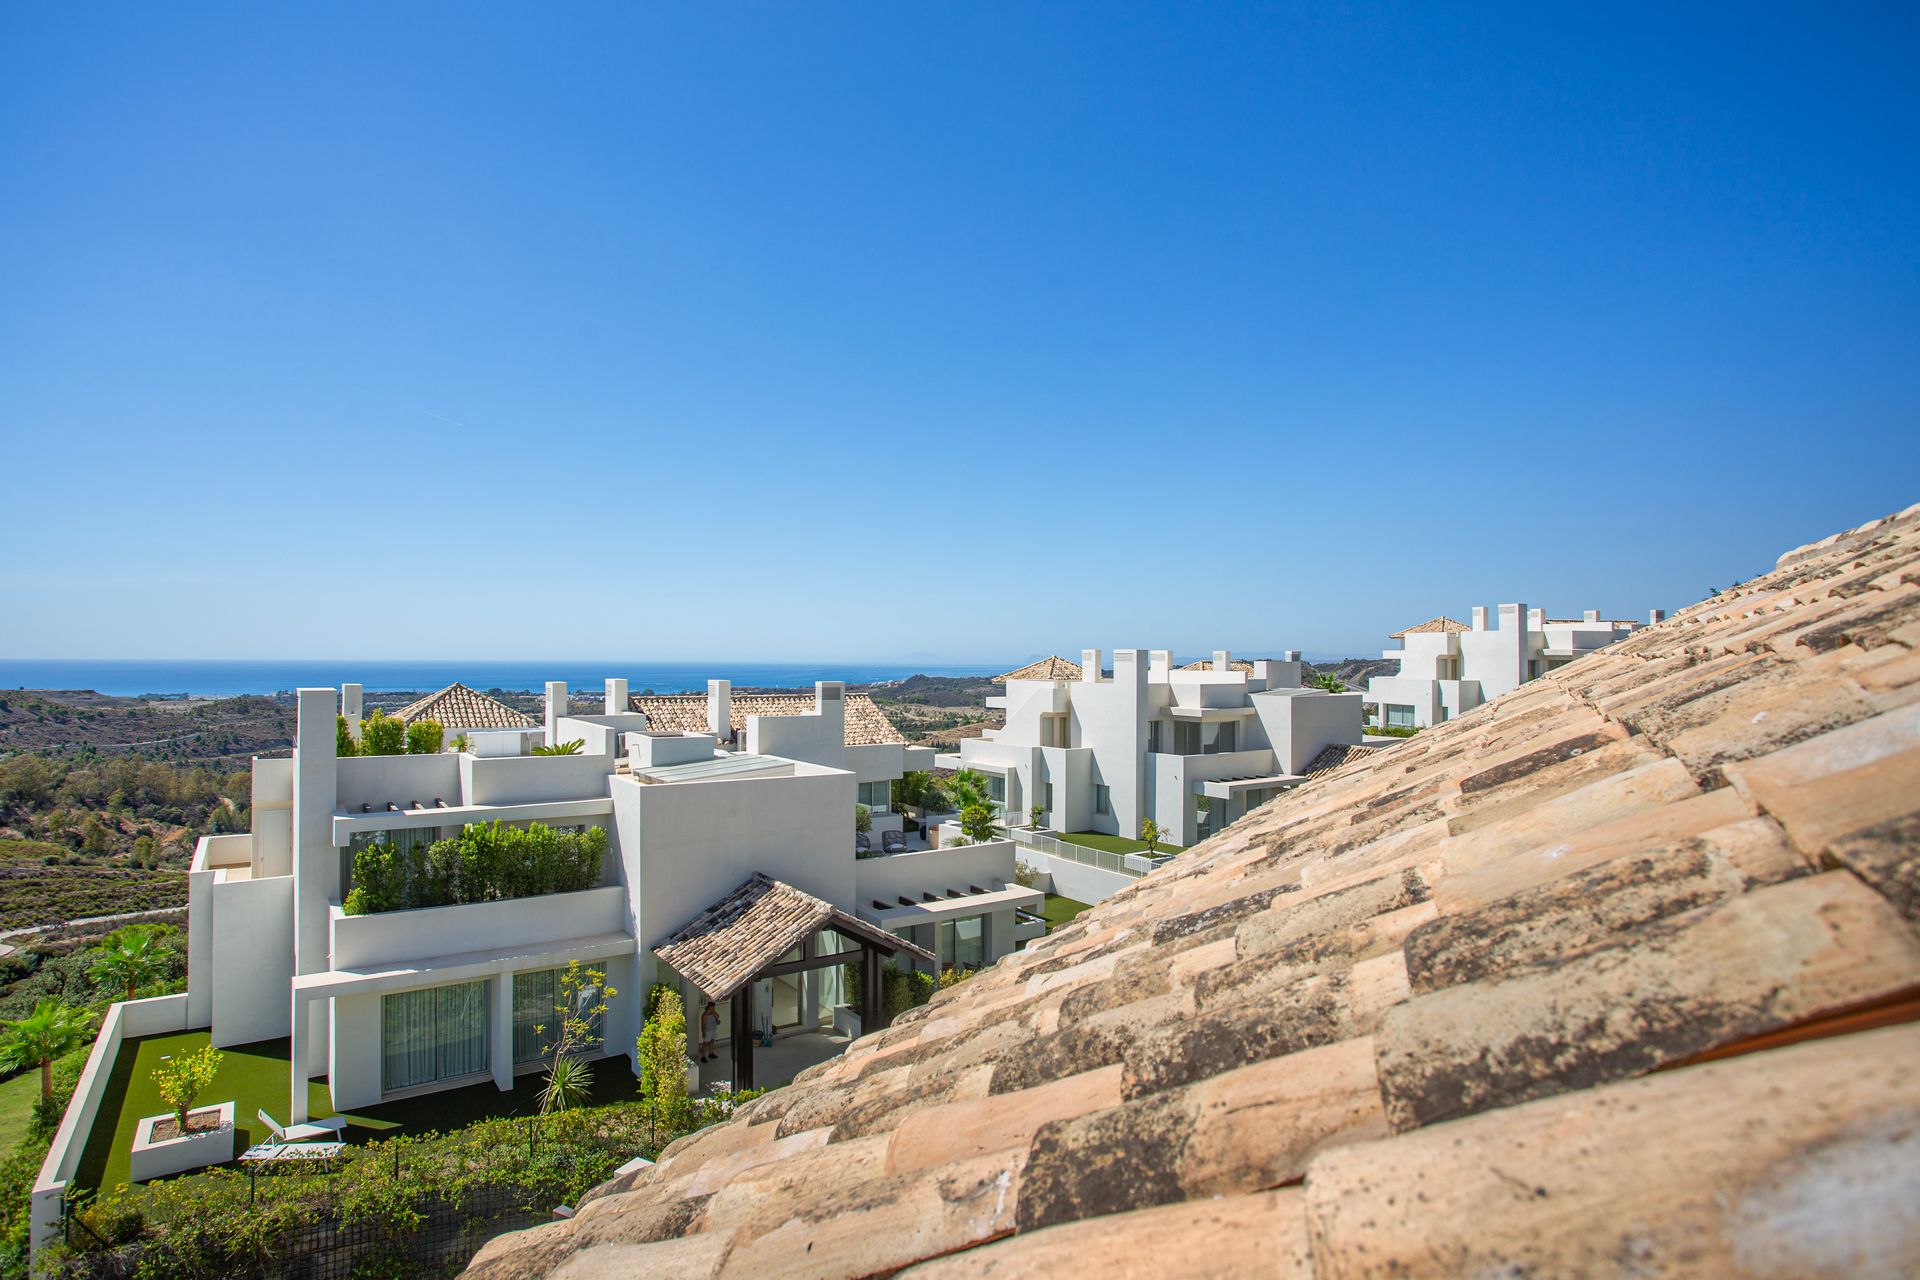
(740, 862)
(1192, 748)
(1447, 667)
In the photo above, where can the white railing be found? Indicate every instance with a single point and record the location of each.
(1041, 842)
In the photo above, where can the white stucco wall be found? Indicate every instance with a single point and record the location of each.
(390, 938)
(251, 961)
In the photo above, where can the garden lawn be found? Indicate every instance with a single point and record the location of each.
(254, 1076)
(1059, 910)
(1117, 844)
(17, 1097)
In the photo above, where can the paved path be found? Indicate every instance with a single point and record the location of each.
(65, 924)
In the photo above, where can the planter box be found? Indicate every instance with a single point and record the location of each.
(177, 1155)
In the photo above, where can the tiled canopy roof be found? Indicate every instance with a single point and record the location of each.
(1441, 623)
(1593, 978)
(1336, 757)
(866, 724)
(720, 949)
(1053, 667)
(1206, 664)
(463, 708)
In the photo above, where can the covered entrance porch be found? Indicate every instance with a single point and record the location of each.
(769, 932)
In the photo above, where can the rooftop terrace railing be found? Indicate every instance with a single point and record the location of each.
(1055, 847)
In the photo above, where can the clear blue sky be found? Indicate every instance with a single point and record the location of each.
(974, 331)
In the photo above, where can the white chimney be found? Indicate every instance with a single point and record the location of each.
(1159, 663)
(1536, 619)
(350, 708)
(616, 696)
(1222, 660)
(1290, 655)
(720, 710)
(556, 707)
(1592, 615)
(1090, 666)
(1656, 615)
(1479, 617)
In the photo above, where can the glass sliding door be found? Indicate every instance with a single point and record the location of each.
(534, 997)
(438, 1033)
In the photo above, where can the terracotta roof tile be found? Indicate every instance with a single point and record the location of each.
(1048, 668)
(866, 724)
(1336, 757)
(1660, 899)
(720, 949)
(458, 707)
(1206, 664)
(1431, 625)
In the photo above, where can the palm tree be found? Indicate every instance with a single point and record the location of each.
(1328, 681)
(132, 963)
(52, 1030)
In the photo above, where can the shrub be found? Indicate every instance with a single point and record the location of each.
(487, 862)
(424, 738)
(976, 822)
(862, 819)
(571, 748)
(343, 743)
(184, 1077)
(663, 1062)
(383, 735)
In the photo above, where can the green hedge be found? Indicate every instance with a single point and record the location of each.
(484, 863)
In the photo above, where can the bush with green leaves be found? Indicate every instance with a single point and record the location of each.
(662, 1047)
(487, 862)
(425, 738)
(572, 747)
(976, 823)
(182, 1078)
(862, 819)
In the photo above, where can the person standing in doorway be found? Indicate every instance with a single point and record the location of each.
(709, 1032)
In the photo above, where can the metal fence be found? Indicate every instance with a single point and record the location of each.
(1040, 842)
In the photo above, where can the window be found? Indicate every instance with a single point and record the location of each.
(1399, 716)
(536, 1000)
(962, 944)
(1049, 797)
(1252, 799)
(1192, 739)
(877, 796)
(1102, 798)
(438, 1033)
(997, 790)
(1154, 737)
(1203, 817)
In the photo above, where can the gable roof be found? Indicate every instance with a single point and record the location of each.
(1423, 1016)
(865, 724)
(1052, 667)
(1336, 757)
(1441, 623)
(457, 706)
(721, 949)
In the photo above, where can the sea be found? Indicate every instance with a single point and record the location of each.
(211, 678)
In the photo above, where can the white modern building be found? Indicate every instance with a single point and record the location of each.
(737, 858)
(1193, 748)
(1447, 667)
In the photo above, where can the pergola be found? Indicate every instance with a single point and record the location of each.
(740, 939)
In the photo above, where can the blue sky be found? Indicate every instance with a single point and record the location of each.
(962, 331)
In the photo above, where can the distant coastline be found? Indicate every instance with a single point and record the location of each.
(213, 678)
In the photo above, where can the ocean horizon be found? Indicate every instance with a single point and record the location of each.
(227, 678)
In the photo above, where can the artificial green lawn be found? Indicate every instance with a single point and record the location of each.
(17, 1097)
(1116, 844)
(1059, 910)
(254, 1076)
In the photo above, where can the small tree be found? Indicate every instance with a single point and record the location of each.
(52, 1030)
(663, 1062)
(462, 742)
(343, 743)
(424, 738)
(976, 823)
(383, 735)
(968, 787)
(1328, 681)
(582, 1004)
(1036, 814)
(184, 1077)
(129, 960)
(1150, 834)
(862, 819)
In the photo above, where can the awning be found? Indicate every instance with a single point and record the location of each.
(901, 915)
(721, 949)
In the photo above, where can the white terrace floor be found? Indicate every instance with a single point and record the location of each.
(789, 1056)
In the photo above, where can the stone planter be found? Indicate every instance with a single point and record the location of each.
(176, 1155)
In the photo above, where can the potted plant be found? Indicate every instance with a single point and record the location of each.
(186, 1137)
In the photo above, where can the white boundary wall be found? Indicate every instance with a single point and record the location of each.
(125, 1020)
